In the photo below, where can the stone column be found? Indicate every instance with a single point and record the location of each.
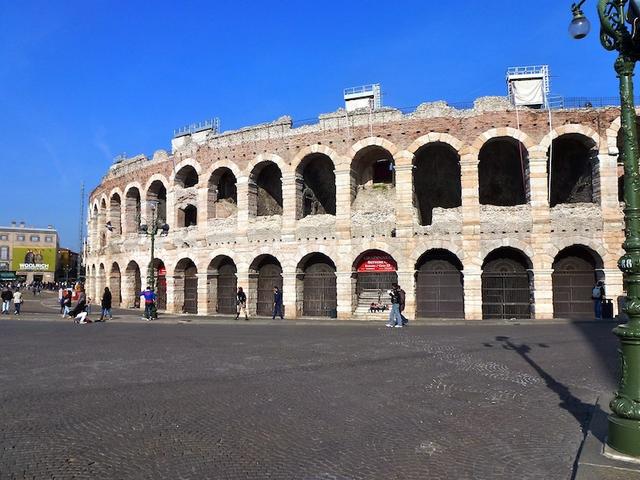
(289, 192)
(203, 295)
(344, 295)
(289, 294)
(407, 282)
(242, 187)
(472, 293)
(404, 196)
(175, 297)
(343, 203)
(614, 287)
(203, 208)
(609, 186)
(543, 293)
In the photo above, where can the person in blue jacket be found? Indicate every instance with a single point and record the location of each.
(149, 303)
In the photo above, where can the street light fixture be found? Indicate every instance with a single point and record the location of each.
(624, 422)
(155, 226)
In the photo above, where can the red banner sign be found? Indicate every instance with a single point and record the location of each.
(377, 263)
(162, 271)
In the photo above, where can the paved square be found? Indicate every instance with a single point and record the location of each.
(305, 402)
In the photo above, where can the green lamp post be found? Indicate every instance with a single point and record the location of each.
(618, 19)
(156, 226)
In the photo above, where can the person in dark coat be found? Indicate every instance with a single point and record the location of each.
(106, 305)
(79, 312)
(277, 304)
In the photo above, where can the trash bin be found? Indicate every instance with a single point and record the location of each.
(607, 309)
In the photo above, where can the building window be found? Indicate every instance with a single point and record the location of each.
(4, 253)
(48, 239)
(4, 237)
(35, 238)
(20, 238)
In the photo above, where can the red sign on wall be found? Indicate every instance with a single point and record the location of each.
(162, 271)
(377, 262)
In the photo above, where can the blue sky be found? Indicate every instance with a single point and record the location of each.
(81, 82)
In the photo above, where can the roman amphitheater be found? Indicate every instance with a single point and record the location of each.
(478, 213)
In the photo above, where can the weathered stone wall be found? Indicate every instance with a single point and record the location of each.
(379, 217)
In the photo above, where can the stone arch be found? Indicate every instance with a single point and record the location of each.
(222, 192)
(439, 290)
(371, 142)
(437, 181)
(569, 128)
(174, 179)
(435, 137)
(222, 283)
(115, 283)
(503, 172)
(132, 283)
(310, 150)
(114, 218)
(507, 284)
(512, 243)
(374, 271)
(315, 184)
(267, 157)
(265, 272)
(185, 285)
(510, 132)
(156, 191)
(316, 292)
(591, 245)
(265, 188)
(132, 207)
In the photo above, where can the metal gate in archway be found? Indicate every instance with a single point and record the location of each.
(505, 290)
(226, 290)
(319, 286)
(269, 275)
(161, 292)
(573, 279)
(439, 291)
(190, 290)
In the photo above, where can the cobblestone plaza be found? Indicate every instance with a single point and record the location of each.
(257, 401)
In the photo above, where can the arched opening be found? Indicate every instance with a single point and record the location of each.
(503, 172)
(115, 214)
(316, 292)
(265, 190)
(186, 177)
(223, 283)
(115, 284)
(439, 285)
(573, 278)
(436, 180)
(506, 285)
(315, 186)
(160, 274)
(134, 281)
(222, 194)
(132, 210)
(374, 271)
(102, 221)
(372, 167)
(187, 216)
(157, 192)
(574, 169)
(186, 286)
(264, 274)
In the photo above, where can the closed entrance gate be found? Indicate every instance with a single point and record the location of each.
(376, 281)
(190, 290)
(269, 275)
(573, 279)
(439, 291)
(319, 286)
(505, 290)
(227, 289)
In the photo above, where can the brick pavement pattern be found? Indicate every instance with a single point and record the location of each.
(331, 402)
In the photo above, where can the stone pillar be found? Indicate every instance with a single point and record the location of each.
(470, 193)
(344, 295)
(175, 295)
(404, 196)
(343, 203)
(203, 295)
(289, 294)
(407, 281)
(609, 186)
(128, 290)
(203, 208)
(290, 184)
(543, 293)
(472, 293)
(242, 187)
(614, 287)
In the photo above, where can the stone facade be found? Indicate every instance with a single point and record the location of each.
(210, 228)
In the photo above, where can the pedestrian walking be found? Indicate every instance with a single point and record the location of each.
(277, 304)
(79, 312)
(105, 304)
(17, 302)
(395, 319)
(597, 294)
(241, 304)
(149, 303)
(6, 297)
(403, 297)
(66, 303)
(61, 299)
